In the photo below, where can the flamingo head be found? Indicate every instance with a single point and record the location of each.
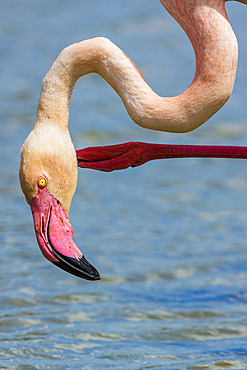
(48, 177)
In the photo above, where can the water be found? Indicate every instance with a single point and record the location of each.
(169, 238)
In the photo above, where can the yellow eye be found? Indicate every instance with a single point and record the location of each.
(42, 182)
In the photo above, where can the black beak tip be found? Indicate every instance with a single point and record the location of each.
(78, 267)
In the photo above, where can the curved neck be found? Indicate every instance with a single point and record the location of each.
(207, 25)
(215, 46)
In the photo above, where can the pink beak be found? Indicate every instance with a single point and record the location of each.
(54, 235)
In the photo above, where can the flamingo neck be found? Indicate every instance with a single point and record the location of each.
(215, 45)
(216, 51)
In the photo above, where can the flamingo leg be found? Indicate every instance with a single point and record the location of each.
(133, 154)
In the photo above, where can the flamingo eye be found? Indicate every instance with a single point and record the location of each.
(42, 182)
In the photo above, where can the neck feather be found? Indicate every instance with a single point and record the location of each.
(216, 51)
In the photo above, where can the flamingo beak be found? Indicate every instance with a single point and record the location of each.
(54, 235)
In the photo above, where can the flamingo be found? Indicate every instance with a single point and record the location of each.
(48, 166)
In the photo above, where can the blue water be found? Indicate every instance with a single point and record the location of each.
(169, 238)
